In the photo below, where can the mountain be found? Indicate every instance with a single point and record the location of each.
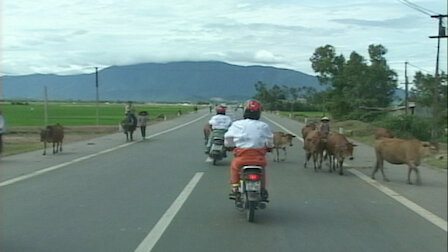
(170, 82)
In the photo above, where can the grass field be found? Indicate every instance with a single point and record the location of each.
(24, 121)
(80, 114)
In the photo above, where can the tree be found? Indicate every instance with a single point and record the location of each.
(353, 83)
(432, 92)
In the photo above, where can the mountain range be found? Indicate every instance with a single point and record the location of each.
(157, 82)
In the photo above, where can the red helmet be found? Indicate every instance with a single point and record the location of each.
(252, 110)
(253, 105)
(221, 110)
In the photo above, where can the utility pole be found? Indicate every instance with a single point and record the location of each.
(45, 106)
(406, 96)
(442, 34)
(97, 98)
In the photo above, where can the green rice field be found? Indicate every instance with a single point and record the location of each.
(81, 114)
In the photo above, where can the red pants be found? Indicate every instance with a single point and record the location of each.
(247, 157)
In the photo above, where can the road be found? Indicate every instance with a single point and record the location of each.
(159, 195)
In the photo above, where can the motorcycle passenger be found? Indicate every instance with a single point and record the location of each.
(252, 139)
(219, 124)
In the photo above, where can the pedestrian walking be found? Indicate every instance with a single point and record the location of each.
(142, 120)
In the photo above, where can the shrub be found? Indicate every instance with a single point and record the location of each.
(408, 126)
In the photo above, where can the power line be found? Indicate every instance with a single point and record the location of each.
(417, 7)
(420, 7)
(419, 68)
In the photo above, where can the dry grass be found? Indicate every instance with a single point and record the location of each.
(25, 139)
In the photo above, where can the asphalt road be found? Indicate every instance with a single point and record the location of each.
(107, 195)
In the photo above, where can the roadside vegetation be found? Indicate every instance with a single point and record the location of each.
(358, 95)
(80, 114)
(24, 120)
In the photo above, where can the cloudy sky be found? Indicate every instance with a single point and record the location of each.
(73, 36)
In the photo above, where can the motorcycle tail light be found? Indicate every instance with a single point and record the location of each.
(254, 176)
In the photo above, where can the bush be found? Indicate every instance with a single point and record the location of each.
(408, 126)
(365, 116)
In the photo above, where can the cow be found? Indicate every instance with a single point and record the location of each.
(338, 149)
(402, 151)
(281, 140)
(53, 134)
(129, 124)
(313, 146)
(308, 127)
(383, 132)
(161, 117)
(206, 130)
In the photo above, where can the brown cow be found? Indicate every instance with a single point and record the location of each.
(281, 140)
(313, 146)
(309, 127)
(207, 130)
(338, 149)
(402, 151)
(383, 132)
(53, 134)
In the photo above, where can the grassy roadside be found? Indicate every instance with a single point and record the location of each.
(24, 121)
(81, 114)
(364, 133)
(27, 138)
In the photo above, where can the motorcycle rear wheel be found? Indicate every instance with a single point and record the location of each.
(250, 214)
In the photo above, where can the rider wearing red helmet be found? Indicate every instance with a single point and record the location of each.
(252, 139)
(219, 122)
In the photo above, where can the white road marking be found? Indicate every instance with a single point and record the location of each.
(157, 231)
(434, 219)
(55, 167)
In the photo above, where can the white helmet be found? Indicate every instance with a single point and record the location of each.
(325, 119)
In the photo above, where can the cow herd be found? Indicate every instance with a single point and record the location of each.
(320, 146)
(336, 148)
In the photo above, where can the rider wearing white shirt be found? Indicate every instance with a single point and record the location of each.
(249, 134)
(218, 123)
(220, 120)
(252, 139)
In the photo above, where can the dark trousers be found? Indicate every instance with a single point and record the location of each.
(1, 143)
(143, 131)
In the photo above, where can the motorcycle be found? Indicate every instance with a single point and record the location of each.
(217, 150)
(249, 195)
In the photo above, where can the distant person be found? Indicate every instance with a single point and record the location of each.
(2, 130)
(195, 109)
(210, 108)
(324, 127)
(142, 120)
(129, 108)
(219, 124)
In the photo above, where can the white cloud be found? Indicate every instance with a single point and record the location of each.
(62, 36)
(264, 56)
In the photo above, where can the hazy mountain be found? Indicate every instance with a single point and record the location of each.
(178, 81)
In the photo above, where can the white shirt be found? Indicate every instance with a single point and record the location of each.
(249, 134)
(220, 122)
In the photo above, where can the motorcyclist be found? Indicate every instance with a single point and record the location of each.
(252, 139)
(218, 124)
